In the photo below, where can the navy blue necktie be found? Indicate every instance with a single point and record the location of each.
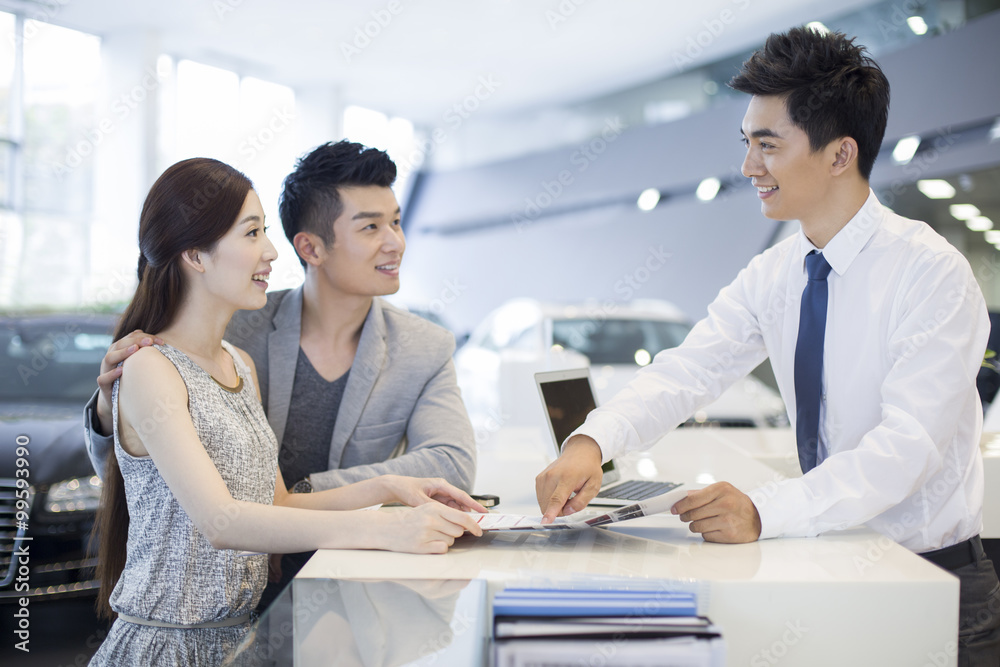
(809, 359)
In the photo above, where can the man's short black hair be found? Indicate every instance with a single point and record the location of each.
(833, 88)
(310, 199)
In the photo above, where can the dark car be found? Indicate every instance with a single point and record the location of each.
(48, 490)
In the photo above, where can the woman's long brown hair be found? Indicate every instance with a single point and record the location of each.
(190, 206)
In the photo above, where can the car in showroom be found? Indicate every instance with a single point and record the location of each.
(48, 490)
(496, 366)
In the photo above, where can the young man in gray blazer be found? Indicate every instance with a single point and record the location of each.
(352, 386)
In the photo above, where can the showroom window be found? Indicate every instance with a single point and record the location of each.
(246, 122)
(48, 134)
(393, 135)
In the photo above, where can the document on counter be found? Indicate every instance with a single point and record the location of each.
(654, 505)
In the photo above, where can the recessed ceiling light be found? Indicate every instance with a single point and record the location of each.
(905, 149)
(648, 199)
(992, 236)
(935, 188)
(817, 26)
(980, 223)
(963, 211)
(995, 130)
(917, 25)
(707, 189)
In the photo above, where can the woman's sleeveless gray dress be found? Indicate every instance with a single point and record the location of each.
(173, 576)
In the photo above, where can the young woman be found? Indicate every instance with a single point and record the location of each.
(193, 483)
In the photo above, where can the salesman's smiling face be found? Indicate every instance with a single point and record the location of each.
(364, 258)
(791, 178)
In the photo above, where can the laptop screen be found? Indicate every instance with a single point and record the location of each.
(567, 398)
(567, 402)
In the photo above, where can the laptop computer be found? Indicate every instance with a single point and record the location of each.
(567, 398)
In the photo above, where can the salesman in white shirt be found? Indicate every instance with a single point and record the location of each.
(874, 325)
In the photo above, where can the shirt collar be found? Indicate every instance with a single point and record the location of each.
(849, 241)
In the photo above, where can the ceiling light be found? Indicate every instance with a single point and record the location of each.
(707, 189)
(935, 188)
(648, 199)
(917, 25)
(905, 149)
(995, 130)
(980, 223)
(992, 236)
(817, 26)
(963, 211)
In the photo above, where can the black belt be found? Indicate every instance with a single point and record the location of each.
(957, 555)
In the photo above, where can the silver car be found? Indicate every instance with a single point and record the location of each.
(523, 336)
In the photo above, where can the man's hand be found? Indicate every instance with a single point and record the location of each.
(721, 513)
(577, 470)
(110, 371)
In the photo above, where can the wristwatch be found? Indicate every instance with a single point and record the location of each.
(303, 486)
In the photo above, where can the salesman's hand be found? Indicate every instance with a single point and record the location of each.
(721, 513)
(110, 371)
(414, 491)
(577, 470)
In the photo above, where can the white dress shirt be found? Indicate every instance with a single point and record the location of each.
(900, 417)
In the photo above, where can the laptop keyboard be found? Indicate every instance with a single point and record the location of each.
(636, 490)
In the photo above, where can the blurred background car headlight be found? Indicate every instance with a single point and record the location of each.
(81, 494)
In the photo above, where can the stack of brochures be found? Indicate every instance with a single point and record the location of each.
(623, 626)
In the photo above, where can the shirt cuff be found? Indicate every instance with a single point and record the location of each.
(90, 415)
(784, 509)
(613, 434)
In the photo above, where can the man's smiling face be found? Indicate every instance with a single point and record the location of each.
(791, 179)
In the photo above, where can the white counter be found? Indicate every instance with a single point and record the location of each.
(849, 598)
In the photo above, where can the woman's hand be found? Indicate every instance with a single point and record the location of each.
(414, 491)
(428, 529)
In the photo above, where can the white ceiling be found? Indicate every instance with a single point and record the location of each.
(430, 54)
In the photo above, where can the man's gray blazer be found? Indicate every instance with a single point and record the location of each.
(401, 396)
(401, 412)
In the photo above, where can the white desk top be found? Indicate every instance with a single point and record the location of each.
(990, 447)
(895, 607)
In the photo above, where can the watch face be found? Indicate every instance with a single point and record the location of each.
(302, 486)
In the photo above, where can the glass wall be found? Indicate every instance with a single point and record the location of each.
(50, 133)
